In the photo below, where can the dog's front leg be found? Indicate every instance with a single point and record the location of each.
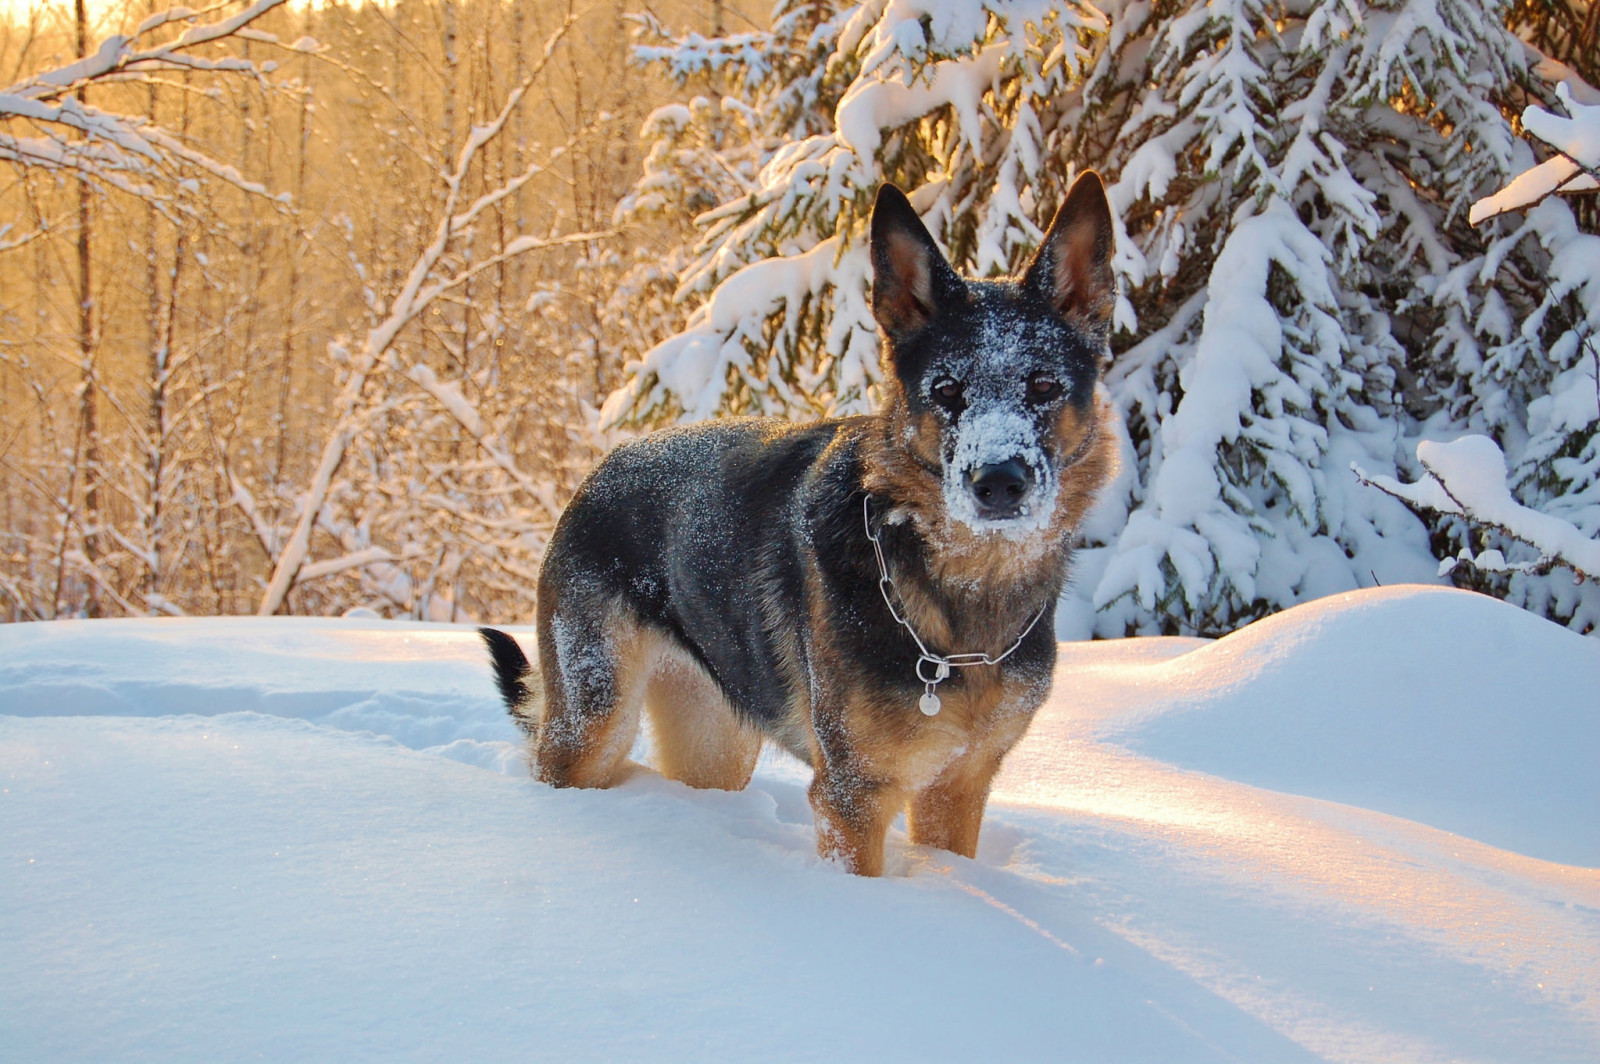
(853, 813)
(948, 813)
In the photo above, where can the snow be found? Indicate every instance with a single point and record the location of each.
(1340, 700)
(1195, 521)
(1468, 477)
(995, 430)
(315, 839)
(868, 107)
(695, 363)
(1576, 138)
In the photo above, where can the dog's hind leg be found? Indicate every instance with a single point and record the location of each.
(596, 659)
(698, 738)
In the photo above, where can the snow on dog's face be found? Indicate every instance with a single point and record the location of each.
(996, 378)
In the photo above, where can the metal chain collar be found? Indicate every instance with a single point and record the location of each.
(941, 663)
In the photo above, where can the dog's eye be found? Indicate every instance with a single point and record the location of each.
(947, 392)
(1042, 389)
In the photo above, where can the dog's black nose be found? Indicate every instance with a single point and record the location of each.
(1000, 488)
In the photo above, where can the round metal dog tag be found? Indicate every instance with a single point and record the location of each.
(929, 704)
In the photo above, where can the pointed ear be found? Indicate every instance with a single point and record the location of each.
(1072, 268)
(910, 276)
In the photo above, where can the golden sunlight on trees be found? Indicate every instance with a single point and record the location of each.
(312, 305)
(304, 307)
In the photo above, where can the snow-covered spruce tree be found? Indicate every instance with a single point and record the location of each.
(707, 164)
(1531, 379)
(1301, 289)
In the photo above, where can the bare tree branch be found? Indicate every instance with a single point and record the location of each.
(130, 153)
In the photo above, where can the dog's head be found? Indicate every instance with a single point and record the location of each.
(991, 383)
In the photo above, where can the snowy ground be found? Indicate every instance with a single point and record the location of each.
(314, 840)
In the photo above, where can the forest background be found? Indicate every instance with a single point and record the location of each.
(332, 306)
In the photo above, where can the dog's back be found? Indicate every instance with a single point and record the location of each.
(675, 576)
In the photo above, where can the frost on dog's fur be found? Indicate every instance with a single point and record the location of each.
(998, 434)
(719, 576)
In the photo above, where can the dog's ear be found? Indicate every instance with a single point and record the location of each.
(910, 276)
(1072, 268)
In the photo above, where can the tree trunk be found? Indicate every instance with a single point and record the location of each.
(155, 412)
(449, 15)
(292, 284)
(88, 413)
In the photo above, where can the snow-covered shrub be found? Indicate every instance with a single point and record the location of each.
(1301, 289)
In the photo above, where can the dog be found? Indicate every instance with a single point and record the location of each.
(874, 593)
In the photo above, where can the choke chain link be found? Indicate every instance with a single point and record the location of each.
(941, 663)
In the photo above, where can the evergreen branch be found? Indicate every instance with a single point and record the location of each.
(1467, 479)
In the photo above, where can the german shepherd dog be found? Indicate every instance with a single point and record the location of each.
(873, 594)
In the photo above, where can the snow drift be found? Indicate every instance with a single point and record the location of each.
(1360, 830)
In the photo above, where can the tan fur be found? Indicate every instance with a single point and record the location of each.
(853, 821)
(873, 754)
(698, 739)
(880, 755)
(948, 813)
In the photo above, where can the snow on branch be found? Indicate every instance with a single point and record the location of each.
(358, 559)
(693, 366)
(1467, 478)
(119, 54)
(1574, 168)
(44, 123)
(448, 395)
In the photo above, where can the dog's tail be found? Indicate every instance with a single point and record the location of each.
(517, 680)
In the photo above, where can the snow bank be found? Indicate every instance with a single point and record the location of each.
(1440, 706)
(256, 837)
(240, 885)
(422, 685)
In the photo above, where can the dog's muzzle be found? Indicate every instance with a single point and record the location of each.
(1000, 489)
